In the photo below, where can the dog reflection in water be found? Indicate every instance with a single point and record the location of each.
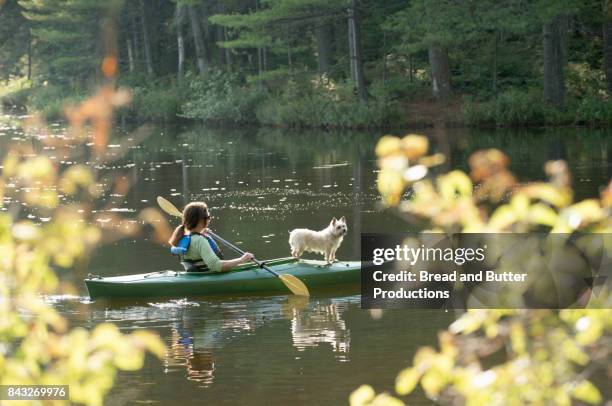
(322, 324)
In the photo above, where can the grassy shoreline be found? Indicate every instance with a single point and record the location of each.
(227, 101)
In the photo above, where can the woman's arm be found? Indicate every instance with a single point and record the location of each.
(212, 260)
(228, 264)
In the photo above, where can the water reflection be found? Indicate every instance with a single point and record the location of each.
(321, 324)
(198, 330)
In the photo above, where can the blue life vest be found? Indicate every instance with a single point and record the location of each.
(183, 245)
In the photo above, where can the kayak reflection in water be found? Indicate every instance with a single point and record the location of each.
(197, 250)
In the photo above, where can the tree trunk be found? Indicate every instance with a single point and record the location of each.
(196, 30)
(323, 34)
(411, 68)
(146, 39)
(355, 51)
(228, 55)
(440, 72)
(29, 57)
(495, 58)
(130, 54)
(554, 61)
(607, 54)
(135, 42)
(180, 41)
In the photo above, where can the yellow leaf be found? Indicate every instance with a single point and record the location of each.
(9, 166)
(26, 231)
(542, 214)
(583, 213)
(406, 381)
(131, 359)
(37, 168)
(432, 160)
(557, 196)
(106, 334)
(454, 183)
(362, 395)
(151, 342)
(433, 382)
(387, 145)
(589, 330)
(414, 173)
(502, 218)
(587, 392)
(415, 146)
(384, 399)
(517, 338)
(390, 186)
(573, 352)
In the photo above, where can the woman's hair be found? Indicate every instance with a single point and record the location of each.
(192, 214)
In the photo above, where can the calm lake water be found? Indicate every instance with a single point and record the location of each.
(260, 183)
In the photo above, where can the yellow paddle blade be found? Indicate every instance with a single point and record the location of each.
(295, 285)
(168, 207)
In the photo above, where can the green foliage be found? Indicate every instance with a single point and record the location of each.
(66, 36)
(221, 97)
(14, 93)
(50, 100)
(275, 20)
(494, 52)
(38, 347)
(516, 108)
(324, 103)
(594, 111)
(158, 101)
(14, 38)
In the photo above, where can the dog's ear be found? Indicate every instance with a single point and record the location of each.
(343, 219)
(333, 222)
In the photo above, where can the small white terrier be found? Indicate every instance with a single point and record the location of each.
(326, 241)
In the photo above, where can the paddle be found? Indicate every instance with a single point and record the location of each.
(292, 283)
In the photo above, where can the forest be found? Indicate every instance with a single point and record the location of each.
(315, 63)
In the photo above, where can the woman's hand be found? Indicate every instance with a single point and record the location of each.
(246, 257)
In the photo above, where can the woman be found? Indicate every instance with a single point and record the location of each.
(201, 247)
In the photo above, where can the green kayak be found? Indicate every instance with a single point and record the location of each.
(245, 279)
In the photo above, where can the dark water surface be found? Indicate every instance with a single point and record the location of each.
(260, 183)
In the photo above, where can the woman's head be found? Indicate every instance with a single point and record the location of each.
(193, 214)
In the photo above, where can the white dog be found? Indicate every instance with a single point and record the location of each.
(325, 241)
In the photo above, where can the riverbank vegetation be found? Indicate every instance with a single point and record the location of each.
(312, 63)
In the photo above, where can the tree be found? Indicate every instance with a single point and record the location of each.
(266, 28)
(15, 41)
(554, 60)
(607, 44)
(324, 38)
(356, 50)
(146, 38)
(180, 40)
(196, 31)
(435, 26)
(65, 37)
